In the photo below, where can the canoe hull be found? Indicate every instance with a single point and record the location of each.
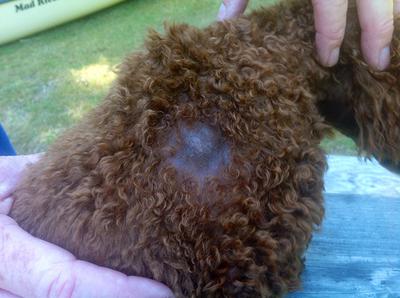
(21, 18)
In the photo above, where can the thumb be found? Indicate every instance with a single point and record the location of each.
(90, 280)
(11, 168)
(231, 9)
(5, 205)
(5, 294)
(31, 267)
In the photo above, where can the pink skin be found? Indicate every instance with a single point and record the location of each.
(31, 267)
(231, 8)
(376, 19)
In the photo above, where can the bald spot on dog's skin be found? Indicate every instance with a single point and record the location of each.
(198, 150)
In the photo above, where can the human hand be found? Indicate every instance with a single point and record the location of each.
(376, 20)
(11, 168)
(31, 267)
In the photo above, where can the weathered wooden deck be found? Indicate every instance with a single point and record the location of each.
(357, 251)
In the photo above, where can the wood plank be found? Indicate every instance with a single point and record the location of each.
(353, 175)
(357, 251)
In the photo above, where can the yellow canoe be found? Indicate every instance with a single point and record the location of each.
(20, 18)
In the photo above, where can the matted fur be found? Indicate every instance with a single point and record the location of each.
(108, 191)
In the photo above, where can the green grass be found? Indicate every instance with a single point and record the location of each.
(339, 144)
(50, 80)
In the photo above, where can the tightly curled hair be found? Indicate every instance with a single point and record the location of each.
(201, 169)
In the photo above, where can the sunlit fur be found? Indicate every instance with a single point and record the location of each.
(201, 168)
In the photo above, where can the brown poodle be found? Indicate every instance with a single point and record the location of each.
(201, 169)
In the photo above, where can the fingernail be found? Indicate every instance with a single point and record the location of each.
(384, 58)
(333, 57)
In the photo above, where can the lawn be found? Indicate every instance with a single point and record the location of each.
(50, 80)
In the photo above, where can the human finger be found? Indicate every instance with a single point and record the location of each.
(5, 294)
(376, 20)
(330, 24)
(5, 177)
(35, 268)
(11, 168)
(5, 205)
(231, 8)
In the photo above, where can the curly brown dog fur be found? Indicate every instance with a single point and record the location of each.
(201, 169)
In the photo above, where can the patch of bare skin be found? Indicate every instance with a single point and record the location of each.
(198, 151)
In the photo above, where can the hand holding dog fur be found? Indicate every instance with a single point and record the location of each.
(201, 169)
(31, 267)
